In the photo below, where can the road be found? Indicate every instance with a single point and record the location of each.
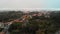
(7, 27)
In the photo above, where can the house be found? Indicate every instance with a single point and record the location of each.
(1, 25)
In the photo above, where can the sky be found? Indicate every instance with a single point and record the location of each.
(29, 4)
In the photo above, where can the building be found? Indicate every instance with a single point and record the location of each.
(1, 25)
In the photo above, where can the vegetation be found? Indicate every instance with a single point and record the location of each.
(35, 25)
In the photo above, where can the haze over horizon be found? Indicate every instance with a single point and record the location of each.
(29, 5)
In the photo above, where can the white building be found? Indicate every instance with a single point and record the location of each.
(58, 32)
(1, 25)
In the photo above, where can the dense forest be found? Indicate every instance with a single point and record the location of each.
(41, 22)
(8, 15)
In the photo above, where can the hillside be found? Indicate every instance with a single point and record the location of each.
(32, 22)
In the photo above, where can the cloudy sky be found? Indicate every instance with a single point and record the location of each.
(29, 4)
